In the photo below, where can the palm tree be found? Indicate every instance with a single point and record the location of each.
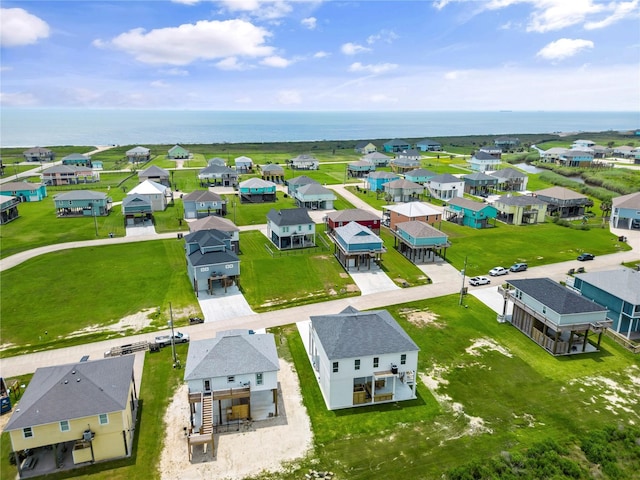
(606, 209)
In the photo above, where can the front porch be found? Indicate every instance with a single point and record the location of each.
(383, 387)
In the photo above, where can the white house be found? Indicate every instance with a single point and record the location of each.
(445, 186)
(291, 228)
(231, 377)
(156, 194)
(362, 358)
(482, 162)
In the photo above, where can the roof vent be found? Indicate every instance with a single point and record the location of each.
(66, 381)
(73, 372)
(77, 379)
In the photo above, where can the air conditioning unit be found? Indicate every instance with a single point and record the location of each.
(87, 435)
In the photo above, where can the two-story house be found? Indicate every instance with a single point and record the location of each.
(339, 218)
(362, 358)
(76, 414)
(202, 203)
(405, 212)
(445, 186)
(291, 228)
(211, 260)
(483, 162)
(357, 247)
(138, 155)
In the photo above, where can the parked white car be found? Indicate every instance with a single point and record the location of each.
(165, 340)
(479, 281)
(497, 271)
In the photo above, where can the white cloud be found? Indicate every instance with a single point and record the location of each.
(386, 36)
(321, 54)
(17, 99)
(159, 84)
(231, 63)
(373, 68)
(353, 49)
(310, 22)
(18, 27)
(620, 11)
(382, 98)
(549, 15)
(275, 61)
(564, 48)
(187, 43)
(289, 97)
(264, 9)
(456, 74)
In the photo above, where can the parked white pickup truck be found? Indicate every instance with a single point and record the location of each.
(165, 340)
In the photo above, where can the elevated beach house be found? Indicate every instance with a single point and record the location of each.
(419, 241)
(470, 213)
(69, 175)
(428, 145)
(211, 261)
(77, 159)
(315, 197)
(356, 247)
(24, 191)
(619, 292)
(294, 183)
(202, 203)
(8, 208)
(445, 186)
(365, 147)
(563, 202)
(510, 180)
(38, 154)
(218, 223)
(377, 158)
(75, 415)
(291, 228)
(256, 190)
(558, 319)
(482, 162)
(396, 145)
(402, 190)
(339, 218)
(244, 164)
(304, 162)
(479, 183)
(138, 155)
(155, 174)
(520, 209)
(159, 196)
(625, 211)
(362, 358)
(82, 203)
(376, 180)
(231, 377)
(218, 176)
(272, 172)
(419, 175)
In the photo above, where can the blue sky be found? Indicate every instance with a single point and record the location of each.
(322, 55)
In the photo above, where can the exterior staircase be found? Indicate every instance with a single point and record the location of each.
(207, 415)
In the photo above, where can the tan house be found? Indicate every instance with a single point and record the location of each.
(520, 210)
(75, 414)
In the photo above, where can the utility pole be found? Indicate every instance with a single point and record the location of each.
(95, 220)
(173, 340)
(464, 274)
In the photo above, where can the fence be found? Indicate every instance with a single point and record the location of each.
(624, 341)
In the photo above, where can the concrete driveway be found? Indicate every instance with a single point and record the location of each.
(223, 306)
(373, 281)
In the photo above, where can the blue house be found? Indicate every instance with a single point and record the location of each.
(202, 203)
(356, 246)
(24, 191)
(575, 158)
(211, 260)
(469, 213)
(376, 180)
(77, 160)
(137, 210)
(419, 241)
(428, 145)
(625, 212)
(396, 145)
(618, 291)
(295, 183)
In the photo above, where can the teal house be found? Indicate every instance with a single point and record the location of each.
(419, 241)
(469, 213)
(82, 203)
(396, 145)
(356, 246)
(24, 191)
(77, 160)
(376, 180)
(178, 152)
(256, 190)
(618, 291)
(419, 175)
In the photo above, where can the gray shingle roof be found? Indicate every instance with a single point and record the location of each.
(480, 155)
(202, 196)
(627, 201)
(352, 334)
(559, 193)
(556, 297)
(521, 200)
(316, 189)
(301, 180)
(81, 195)
(622, 283)
(208, 238)
(154, 171)
(213, 222)
(229, 354)
(508, 173)
(420, 172)
(479, 176)
(197, 258)
(66, 392)
(352, 215)
(467, 204)
(445, 178)
(289, 216)
(419, 229)
(353, 234)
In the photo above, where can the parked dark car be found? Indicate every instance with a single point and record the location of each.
(519, 267)
(193, 320)
(585, 256)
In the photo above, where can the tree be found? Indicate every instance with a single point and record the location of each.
(606, 209)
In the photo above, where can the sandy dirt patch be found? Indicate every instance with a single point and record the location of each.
(619, 398)
(481, 344)
(135, 322)
(257, 447)
(422, 318)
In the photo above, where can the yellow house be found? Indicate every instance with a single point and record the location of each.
(73, 414)
(520, 209)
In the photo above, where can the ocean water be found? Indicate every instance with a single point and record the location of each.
(50, 127)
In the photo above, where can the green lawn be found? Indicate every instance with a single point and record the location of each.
(88, 286)
(534, 244)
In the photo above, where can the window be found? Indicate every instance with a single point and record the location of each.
(376, 362)
(207, 385)
(231, 379)
(544, 309)
(403, 359)
(103, 419)
(64, 426)
(356, 364)
(258, 378)
(335, 367)
(27, 432)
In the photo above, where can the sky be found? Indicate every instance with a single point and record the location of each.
(321, 55)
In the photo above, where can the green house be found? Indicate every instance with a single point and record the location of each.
(469, 213)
